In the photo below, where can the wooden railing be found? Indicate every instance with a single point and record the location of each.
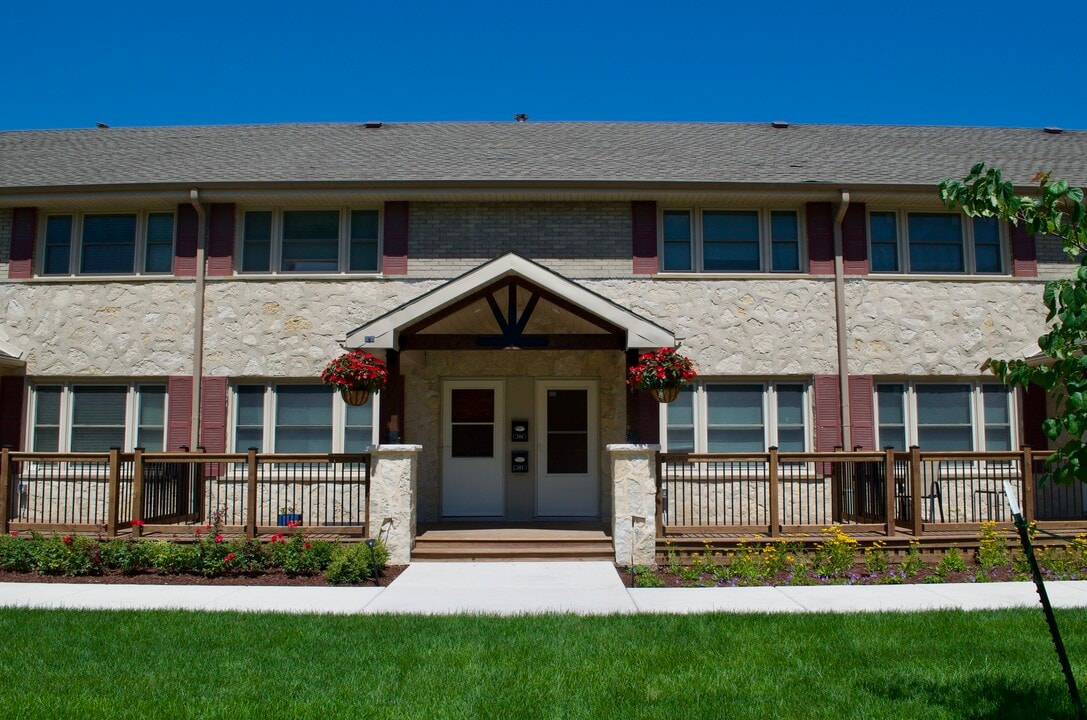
(249, 492)
(776, 493)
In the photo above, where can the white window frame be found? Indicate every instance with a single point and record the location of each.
(903, 241)
(268, 426)
(132, 409)
(75, 245)
(275, 261)
(697, 214)
(977, 409)
(769, 412)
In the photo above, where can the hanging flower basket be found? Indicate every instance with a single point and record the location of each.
(663, 373)
(357, 375)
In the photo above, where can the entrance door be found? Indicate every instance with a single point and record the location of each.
(568, 483)
(472, 469)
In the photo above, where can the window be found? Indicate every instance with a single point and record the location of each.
(328, 240)
(944, 416)
(720, 417)
(108, 244)
(730, 240)
(935, 242)
(308, 418)
(95, 418)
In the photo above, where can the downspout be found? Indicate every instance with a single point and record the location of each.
(839, 313)
(198, 321)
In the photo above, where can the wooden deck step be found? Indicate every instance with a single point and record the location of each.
(512, 544)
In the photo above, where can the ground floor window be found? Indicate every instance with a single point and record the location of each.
(720, 416)
(945, 416)
(84, 417)
(300, 418)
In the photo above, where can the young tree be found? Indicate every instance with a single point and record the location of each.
(1056, 210)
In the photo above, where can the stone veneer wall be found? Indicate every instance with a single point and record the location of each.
(5, 241)
(425, 371)
(576, 239)
(737, 327)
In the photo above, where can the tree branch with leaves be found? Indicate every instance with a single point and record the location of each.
(1056, 209)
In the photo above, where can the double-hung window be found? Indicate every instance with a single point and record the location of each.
(934, 242)
(945, 416)
(730, 240)
(82, 417)
(304, 418)
(723, 417)
(303, 241)
(108, 244)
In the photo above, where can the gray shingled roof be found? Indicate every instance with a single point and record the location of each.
(554, 152)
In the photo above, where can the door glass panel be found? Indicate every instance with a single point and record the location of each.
(472, 423)
(567, 431)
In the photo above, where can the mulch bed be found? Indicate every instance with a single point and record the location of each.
(858, 577)
(270, 578)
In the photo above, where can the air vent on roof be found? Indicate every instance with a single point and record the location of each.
(780, 124)
(521, 118)
(101, 125)
(372, 124)
(1053, 130)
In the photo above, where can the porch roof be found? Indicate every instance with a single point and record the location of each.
(384, 332)
(10, 356)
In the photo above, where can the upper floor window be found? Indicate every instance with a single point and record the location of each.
(81, 417)
(108, 244)
(713, 240)
(944, 416)
(935, 242)
(721, 417)
(332, 240)
(306, 418)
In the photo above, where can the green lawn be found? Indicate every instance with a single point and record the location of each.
(71, 664)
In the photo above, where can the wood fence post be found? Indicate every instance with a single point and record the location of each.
(1028, 483)
(889, 488)
(916, 491)
(369, 463)
(775, 496)
(114, 500)
(137, 491)
(658, 501)
(251, 496)
(836, 489)
(5, 488)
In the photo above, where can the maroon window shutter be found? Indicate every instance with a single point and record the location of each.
(213, 414)
(855, 240)
(24, 231)
(188, 225)
(643, 216)
(1034, 414)
(179, 417)
(828, 426)
(820, 238)
(1024, 251)
(395, 254)
(862, 414)
(12, 402)
(649, 418)
(221, 239)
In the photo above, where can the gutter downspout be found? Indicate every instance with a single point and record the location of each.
(839, 314)
(198, 322)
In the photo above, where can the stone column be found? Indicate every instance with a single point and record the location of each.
(634, 507)
(392, 498)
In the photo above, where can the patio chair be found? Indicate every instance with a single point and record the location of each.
(935, 499)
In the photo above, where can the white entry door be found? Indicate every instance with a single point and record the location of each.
(472, 469)
(568, 482)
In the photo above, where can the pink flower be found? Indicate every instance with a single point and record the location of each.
(218, 538)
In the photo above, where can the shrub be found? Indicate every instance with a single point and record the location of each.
(951, 562)
(836, 555)
(875, 558)
(644, 577)
(70, 555)
(298, 555)
(15, 554)
(127, 555)
(992, 547)
(352, 564)
(913, 563)
(170, 558)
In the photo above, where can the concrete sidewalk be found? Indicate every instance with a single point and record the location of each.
(586, 588)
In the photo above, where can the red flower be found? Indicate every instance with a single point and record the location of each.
(14, 534)
(218, 538)
(67, 540)
(307, 546)
(229, 557)
(137, 523)
(293, 523)
(198, 531)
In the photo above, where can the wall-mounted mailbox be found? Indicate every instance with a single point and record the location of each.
(519, 461)
(519, 431)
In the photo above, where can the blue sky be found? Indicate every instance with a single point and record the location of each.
(70, 64)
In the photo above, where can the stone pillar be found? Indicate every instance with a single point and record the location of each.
(634, 503)
(392, 498)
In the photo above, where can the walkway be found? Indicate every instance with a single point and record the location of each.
(586, 588)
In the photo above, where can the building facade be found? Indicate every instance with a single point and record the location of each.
(509, 273)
